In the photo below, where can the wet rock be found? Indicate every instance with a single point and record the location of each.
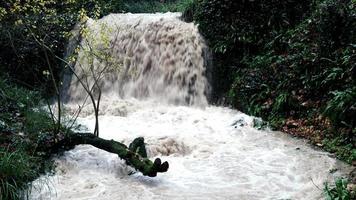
(259, 124)
(239, 123)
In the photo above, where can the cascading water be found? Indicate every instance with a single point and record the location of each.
(146, 56)
(155, 87)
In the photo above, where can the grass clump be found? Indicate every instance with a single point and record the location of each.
(339, 191)
(17, 168)
(22, 125)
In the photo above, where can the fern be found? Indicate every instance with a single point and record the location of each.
(341, 107)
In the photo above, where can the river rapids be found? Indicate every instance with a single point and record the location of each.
(154, 84)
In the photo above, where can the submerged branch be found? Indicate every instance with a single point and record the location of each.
(134, 156)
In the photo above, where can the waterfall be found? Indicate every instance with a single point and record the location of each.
(152, 70)
(145, 56)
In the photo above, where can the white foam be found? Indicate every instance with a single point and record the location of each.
(209, 159)
(213, 152)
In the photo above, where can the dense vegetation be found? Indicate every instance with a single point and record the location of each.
(22, 127)
(290, 62)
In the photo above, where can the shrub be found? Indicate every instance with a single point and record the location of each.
(339, 192)
(239, 29)
(284, 60)
(245, 24)
(341, 108)
(17, 168)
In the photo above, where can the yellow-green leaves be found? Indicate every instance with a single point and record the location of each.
(3, 12)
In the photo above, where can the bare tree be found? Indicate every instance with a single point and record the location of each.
(135, 155)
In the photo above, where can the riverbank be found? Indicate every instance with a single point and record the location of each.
(22, 125)
(292, 64)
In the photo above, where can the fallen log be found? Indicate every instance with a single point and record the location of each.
(135, 155)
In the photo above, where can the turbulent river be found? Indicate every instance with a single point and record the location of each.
(156, 86)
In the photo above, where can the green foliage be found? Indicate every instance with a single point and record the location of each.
(37, 121)
(22, 125)
(152, 6)
(339, 192)
(24, 98)
(235, 30)
(189, 9)
(341, 109)
(275, 47)
(26, 25)
(243, 24)
(16, 102)
(285, 59)
(16, 169)
(342, 149)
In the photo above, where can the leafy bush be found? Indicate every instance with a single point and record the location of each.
(284, 61)
(339, 192)
(236, 29)
(341, 109)
(275, 49)
(243, 25)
